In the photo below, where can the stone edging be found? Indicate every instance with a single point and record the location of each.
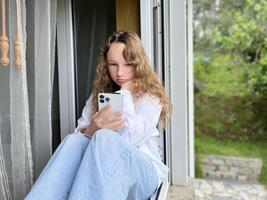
(230, 168)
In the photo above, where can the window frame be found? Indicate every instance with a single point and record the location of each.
(66, 70)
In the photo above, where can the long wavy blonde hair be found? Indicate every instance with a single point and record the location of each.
(146, 80)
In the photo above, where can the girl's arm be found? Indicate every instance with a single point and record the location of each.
(85, 119)
(139, 125)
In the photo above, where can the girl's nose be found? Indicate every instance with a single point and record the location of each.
(119, 71)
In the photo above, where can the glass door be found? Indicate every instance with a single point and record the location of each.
(93, 22)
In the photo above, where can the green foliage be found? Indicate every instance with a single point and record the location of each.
(232, 117)
(208, 15)
(198, 169)
(246, 36)
(230, 70)
(258, 79)
(207, 145)
(219, 75)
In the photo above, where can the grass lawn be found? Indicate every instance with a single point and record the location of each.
(207, 145)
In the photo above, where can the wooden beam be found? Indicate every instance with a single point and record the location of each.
(128, 15)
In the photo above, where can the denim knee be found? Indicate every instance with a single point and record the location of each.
(104, 133)
(76, 139)
(106, 139)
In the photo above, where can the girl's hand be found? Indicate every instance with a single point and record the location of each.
(105, 118)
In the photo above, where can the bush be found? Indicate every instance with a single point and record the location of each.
(219, 76)
(232, 117)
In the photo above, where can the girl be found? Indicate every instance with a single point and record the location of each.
(112, 155)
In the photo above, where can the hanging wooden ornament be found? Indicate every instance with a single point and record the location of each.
(4, 42)
(17, 43)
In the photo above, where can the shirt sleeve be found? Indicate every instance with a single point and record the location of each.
(139, 125)
(85, 119)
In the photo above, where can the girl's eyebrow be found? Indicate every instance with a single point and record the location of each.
(112, 61)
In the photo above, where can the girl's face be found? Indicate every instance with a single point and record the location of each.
(120, 71)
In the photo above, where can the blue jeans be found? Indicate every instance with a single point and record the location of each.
(101, 167)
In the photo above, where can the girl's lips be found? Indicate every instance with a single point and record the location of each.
(121, 81)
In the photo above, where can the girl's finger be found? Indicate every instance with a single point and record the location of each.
(115, 124)
(113, 117)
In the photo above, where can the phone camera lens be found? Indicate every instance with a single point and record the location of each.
(101, 101)
(101, 96)
(107, 99)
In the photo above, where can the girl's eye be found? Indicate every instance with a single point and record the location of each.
(128, 64)
(112, 64)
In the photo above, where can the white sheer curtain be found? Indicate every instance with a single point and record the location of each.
(26, 95)
(16, 154)
(41, 29)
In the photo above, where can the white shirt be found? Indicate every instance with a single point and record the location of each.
(140, 128)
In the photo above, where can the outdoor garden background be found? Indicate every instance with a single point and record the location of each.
(230, 71)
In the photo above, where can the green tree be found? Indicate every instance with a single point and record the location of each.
(209, 14)
(245, 36)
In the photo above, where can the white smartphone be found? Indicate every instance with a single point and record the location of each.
(114, 99)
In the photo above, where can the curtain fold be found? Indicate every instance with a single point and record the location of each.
(94, 21)
(26, 96)
(44, 27)
(5, 192)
